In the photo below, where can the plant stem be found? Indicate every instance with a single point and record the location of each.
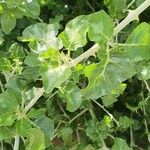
(90, 6)
(16, 143)
(2, 145)
(89, 52)
(78, 136)
(111, 116)
(82, 112)
(61, 108)
(133, 15)
(92, 113)
(34, 100)
(147, 86)
(131, 135)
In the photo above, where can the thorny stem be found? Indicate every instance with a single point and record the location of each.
(111, 116)
(133, 15)
(16, 143)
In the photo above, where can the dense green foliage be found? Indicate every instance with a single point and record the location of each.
(49, 102)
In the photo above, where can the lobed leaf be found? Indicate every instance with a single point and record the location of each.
(104, 78)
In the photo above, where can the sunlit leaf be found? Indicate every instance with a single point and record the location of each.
(104, 78)
(137, 45)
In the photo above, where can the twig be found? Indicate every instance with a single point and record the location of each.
(111, 116)
(92, 113)
(78, 136)
(63, 110)
(1, 86)
(147, 86)
(90, 6)
(89, 52)
(131, 135)
(16, 143)
(2, 145)
(130, 4)
(82, 112)
(34, 100)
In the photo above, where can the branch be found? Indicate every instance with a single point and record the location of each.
(133, 15)
(34, 100)
(16, 143)
(86, 54)
(111, 116)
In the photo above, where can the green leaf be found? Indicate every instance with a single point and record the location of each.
(120, 144)
(14, 4)
(41, 37)
(94, 131)
(101, 27)
(1, 37)
(30, 8)
(116, 8)
(8, 22)
(46, 125)
(74, 35)
(23, 126)
(31, 73)
(5, 64)
(16, 51)
(36, 139)
(137, 45)
(71, 94)
(111, 98)
(17, 86)
(66, 133)
(5, 133)
(125, 122)
(7, 119)
(8, 101)
(105, 78)
(54, 77)
(98, 25)
(32, 60)
(145, 72)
